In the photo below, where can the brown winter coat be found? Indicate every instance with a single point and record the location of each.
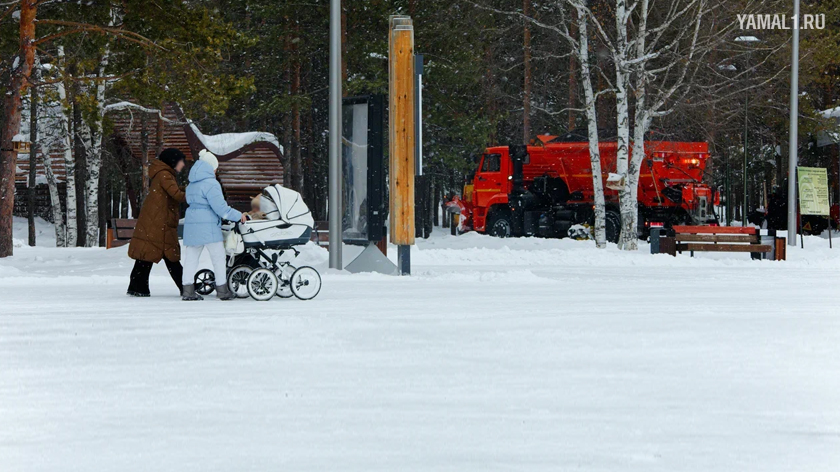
(156, 233)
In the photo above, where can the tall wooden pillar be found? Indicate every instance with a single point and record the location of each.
(402, 138)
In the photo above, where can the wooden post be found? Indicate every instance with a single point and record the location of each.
(402, 138)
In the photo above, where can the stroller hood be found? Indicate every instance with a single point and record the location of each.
(281, 203)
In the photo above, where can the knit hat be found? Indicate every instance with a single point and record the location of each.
(171, 157)
(209, 158)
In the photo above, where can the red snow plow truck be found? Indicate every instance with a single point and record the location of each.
(545, 190)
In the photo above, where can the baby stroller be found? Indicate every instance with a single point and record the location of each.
(254, 272)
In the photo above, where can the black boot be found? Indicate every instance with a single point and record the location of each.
(138, 285)
(176, 271)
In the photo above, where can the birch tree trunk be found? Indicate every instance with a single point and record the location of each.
(19, 77)
(622, 77)
(94, 158)
(592, 126)
(650, 103)
(629, 239)
(94, 145)
(71, 227)
(55, 201)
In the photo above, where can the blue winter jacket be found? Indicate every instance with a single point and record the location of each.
(203, 222)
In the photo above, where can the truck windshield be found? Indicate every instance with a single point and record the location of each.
(492, 163)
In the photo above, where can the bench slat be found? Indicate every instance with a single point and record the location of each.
(123, 223)
(715, 230)
(123, 233)
(723, 247)
(718, 238)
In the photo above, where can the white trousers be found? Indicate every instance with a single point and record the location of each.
(217, 256)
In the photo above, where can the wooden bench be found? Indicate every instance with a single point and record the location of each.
(120, 232)
(718, 239)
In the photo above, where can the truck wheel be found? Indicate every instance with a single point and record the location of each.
(499, 225)
(612, 223)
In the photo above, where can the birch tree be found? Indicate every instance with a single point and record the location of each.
(622, 77)
(592, 126)
(71, 227)
(681, 27)
(664, 54)
(91, 137)
(51, 138)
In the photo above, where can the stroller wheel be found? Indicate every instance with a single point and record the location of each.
(262, 284)
(305, 283)
(205, 282)
(285, 289)
(238, 280)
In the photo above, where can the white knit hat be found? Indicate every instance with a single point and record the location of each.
(209, 158)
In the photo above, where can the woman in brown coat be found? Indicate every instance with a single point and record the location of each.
(156, 234)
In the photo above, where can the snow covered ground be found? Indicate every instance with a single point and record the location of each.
(495, 355)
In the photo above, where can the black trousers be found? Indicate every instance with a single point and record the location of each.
(140, 275)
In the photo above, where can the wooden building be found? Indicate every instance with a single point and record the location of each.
(248, 162)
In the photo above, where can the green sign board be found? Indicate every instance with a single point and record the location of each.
(813, 191)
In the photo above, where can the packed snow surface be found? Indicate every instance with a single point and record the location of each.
(520, 354)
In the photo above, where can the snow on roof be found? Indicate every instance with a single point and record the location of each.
(831, 113)
(226, 143)
(828, 137)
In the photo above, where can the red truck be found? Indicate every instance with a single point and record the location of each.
(546, 189)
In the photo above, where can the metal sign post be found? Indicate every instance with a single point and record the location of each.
(418, 112)
(335, 135)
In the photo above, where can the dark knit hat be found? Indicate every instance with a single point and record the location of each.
(171, 156)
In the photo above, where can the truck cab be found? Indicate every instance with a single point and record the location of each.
(490, 185)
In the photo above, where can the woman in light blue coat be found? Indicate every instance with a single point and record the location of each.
(203, 225)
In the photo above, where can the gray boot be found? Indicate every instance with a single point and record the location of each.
(188, 293)
(223, 292)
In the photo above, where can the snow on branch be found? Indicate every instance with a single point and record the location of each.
(119, 106)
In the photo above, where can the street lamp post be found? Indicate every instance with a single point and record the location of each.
(794, 131)
(728, 177)
(746, 39)
(335, 211)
